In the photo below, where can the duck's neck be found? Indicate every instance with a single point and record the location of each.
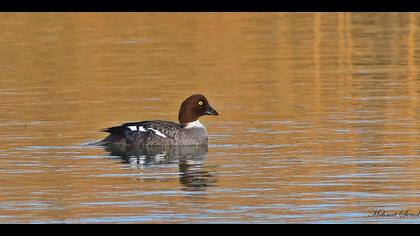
(194, 124)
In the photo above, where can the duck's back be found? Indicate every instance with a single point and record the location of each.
(155, 133)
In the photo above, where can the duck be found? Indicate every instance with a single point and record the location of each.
(189, 130)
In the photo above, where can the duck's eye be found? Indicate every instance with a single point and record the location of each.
(200, 103)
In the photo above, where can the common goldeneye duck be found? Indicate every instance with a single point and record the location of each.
(189, 131)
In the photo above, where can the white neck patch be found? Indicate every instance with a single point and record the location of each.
(194, 124)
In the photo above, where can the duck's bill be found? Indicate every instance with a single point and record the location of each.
(212, 112)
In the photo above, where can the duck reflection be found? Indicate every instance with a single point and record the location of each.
(190, 161)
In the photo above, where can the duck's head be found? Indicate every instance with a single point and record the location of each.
(193, 108)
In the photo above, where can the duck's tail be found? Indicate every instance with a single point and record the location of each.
(110, 139)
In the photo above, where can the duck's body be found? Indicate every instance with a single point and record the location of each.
(156, 133)
(165, 133)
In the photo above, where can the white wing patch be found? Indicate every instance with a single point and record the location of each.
(142, 129)
(137, 128)
(157, 132)
(132, 128)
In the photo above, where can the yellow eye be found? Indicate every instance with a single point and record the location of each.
(200, 103)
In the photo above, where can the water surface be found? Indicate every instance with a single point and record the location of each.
(319, 117)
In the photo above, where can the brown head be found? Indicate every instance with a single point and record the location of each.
(193, 108)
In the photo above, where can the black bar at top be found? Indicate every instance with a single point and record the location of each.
(207, 6)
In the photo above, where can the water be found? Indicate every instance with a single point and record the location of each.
(319, 117)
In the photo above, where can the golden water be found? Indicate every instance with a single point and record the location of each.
(319, 116)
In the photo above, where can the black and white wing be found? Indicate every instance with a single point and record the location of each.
(146, 131)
